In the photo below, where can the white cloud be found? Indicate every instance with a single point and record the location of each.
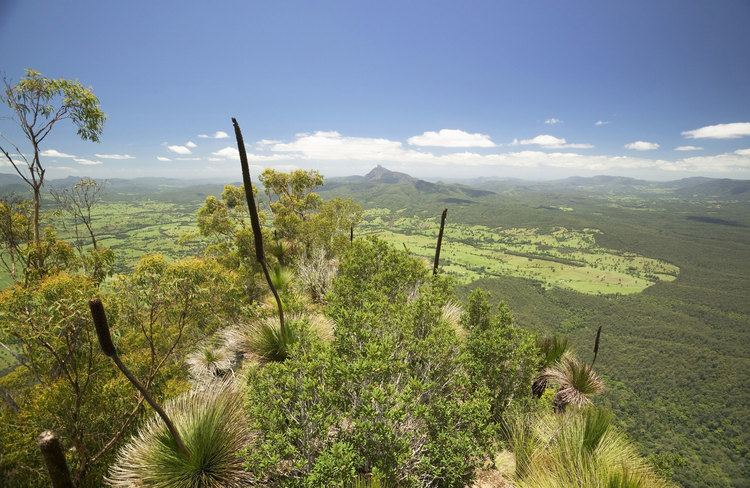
(219, 134)
(162, 158)
(553, 121)
(642, 146)
(720, 131)
(187, 159)
(191, 144)
(600, 123)
(227, 153)
(267, 142)
(331, 145)
(688, 148)
(323, 147)
(87, 162)
(54, 153)
(114, 156)
(63, 168)
(179, 149)
(231, 153)
(743, 152)
(451, 138)
(550, 142)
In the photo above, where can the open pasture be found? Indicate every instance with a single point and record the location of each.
(563, 258)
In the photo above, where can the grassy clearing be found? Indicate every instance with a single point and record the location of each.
(563, 258)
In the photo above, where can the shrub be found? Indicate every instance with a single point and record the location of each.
(389, 397)
(499, 355)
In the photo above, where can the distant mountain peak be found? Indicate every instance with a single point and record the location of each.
(383, 174)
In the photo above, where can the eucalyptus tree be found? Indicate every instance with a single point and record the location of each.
(38, 104)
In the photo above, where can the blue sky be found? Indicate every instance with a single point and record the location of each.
(439, 89)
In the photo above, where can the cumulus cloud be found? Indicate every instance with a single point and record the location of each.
(551, 142)
(54, 153)
(231, 153)
(451, 138)
(720, 131)
(114, 156)
(642, 146)
(191, 144)
(743, 152)
(600, 123)
(688, 148)
(162, 158)
(267, 142)
(219, 134)
(331, 146)
(179, 149)
(87, 162)
(553, 121)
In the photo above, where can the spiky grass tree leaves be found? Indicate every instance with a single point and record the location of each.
(576, 382)
(553, 349)
(580, 448)
(212, 423)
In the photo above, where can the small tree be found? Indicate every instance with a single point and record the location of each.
(15, 233)
(78, 202)
(38, 104)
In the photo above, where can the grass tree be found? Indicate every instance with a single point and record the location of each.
(38, 104)
(439, 241)
(576, 382)
(580, 448)
(212, 423)
(108, 348)
(553, 348)
(260, 254)
(54, 459)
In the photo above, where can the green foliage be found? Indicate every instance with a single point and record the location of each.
(500, 356)
(212, 424)
(61, 383)
(54, 100)
(329, 228)
(580, 448)
(390, 396)
(48, 257)
(268, 342)
(576, 382)
(16, 231)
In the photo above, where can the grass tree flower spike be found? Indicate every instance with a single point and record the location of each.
(105, 342)
(439, 242)
(54, 459)
(255, 220)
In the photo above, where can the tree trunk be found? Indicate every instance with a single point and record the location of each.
(37, 210)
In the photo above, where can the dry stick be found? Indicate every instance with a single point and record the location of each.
(54, 458)
(439, 242)
(108, 348)
(254, 220)
(596, 345)
(351, 234)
